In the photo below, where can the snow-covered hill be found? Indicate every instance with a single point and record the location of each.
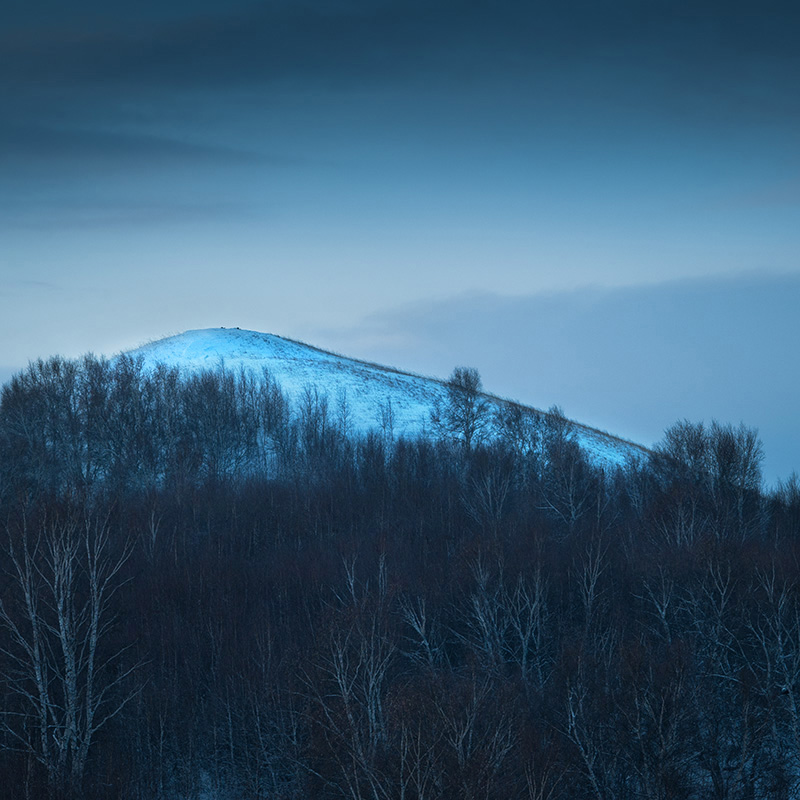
(368, 391)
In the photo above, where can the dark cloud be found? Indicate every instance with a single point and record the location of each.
(324, 41)
(241, 45)
(705, 62)
(631, 360)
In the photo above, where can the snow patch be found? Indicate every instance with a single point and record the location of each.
(364, 392)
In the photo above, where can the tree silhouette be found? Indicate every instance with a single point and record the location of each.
(464, 416)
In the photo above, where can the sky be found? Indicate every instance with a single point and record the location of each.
(595, 203)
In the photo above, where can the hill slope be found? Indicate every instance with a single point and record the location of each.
(366, 390)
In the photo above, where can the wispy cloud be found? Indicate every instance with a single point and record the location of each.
(69, 215)
(42, 142)
(31, 285)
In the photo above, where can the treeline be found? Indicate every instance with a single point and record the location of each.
(209, 590)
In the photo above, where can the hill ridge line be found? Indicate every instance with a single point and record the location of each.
(408, 374)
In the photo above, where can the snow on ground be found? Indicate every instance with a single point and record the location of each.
(366, 390)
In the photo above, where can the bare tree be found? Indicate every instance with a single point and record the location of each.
(588, 574)
(711, 478)
(771, 651)
(730, 728)
(487, 487)
(570, 487)
(588, 737)
(479, 738)
(465, 415)
(57, 613)
(427, 642)
(736, 456)
(350, 691)
(484, 618)
(528, 620)
(656, 718)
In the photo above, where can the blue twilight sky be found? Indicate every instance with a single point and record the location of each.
(595, 203)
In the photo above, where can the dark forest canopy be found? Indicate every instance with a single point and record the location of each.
(209, 590)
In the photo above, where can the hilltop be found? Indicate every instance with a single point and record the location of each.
(365, 392)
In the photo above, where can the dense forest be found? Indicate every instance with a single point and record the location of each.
(210, 591)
